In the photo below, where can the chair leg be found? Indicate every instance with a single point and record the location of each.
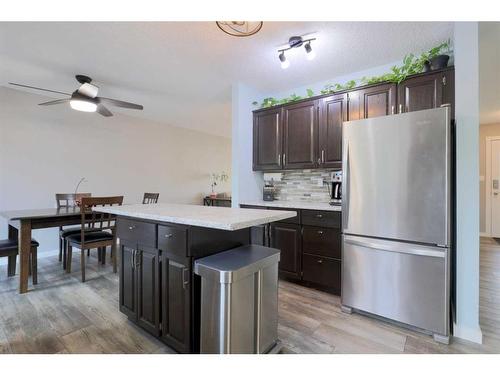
(99, 255)
(65, 254)
(11, 265)
(82, 264)
(60, 248)
(103, 255)
(69, 258)
(113, 256)
(34, 265)
(88, 252)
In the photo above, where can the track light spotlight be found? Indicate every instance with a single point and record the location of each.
(284, 62)
(310, 53)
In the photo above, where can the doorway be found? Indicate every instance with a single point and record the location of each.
(492, 182)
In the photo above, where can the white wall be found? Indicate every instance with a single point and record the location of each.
(46, 150)
(467, 161)
(247, 185)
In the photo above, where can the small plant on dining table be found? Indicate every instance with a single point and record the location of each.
(217, 178)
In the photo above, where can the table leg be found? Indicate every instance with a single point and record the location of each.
(24, 254)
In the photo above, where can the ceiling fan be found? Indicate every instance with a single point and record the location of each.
(85, 98)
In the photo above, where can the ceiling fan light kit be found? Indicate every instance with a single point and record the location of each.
(296, 42)
(83, 105)
(85, 98)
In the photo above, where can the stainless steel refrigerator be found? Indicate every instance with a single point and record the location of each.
(396, 218)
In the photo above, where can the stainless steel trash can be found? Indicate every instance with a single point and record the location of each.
(239, 300)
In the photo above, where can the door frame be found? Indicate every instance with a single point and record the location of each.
(487, 197)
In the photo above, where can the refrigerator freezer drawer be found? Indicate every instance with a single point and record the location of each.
(400, 281)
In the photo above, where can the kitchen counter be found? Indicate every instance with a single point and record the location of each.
(224, 218)
(294, 204)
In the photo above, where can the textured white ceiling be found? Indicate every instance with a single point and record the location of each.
(182, 71)
(489, 72)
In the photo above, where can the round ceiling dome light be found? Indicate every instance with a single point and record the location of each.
(240, 28)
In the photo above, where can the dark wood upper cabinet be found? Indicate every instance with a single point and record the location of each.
(426, 91)
(333, 111)
(300, 133)
(308, 134)
(267, 140)
(288, 239)
(374, 101)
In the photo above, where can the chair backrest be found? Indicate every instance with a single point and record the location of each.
(93, 220)
(68, 200)
(150, 198)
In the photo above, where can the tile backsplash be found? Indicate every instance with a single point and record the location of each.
(302, 185)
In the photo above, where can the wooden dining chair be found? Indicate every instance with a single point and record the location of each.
(10, 248)
(150, 198)
(67, 200)
(97, 230)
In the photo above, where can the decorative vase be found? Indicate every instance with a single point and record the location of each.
(439, 62)
(213, 194)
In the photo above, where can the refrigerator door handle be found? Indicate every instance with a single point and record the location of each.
(398, 247)
(345, 185)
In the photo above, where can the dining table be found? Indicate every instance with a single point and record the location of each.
(22, 222)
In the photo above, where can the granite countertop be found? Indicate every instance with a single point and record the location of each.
(294, 204)
(200, 216)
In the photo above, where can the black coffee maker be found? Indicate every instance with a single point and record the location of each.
(336, 189)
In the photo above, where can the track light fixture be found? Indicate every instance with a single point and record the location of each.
(296, 42)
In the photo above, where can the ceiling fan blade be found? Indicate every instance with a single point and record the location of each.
(120, 103)
(38, 88)
(88, 89)
(52, 102)
(102, 110)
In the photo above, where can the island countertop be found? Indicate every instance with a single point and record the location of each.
(224, 218)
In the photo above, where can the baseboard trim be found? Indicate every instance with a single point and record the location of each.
(484, 234)
(473, 334)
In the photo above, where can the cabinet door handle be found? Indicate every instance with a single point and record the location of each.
(401, 108)
(279, 159)
(319, 161)
(320, 261)
(132, 227)
(319, 216)
(132, 260)
(137, 259)
(170, 235)
(392, 110)
(185, 277)
(284, 159)
(320, 232)
(322, 156)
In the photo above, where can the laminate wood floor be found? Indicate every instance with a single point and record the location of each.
(63, 315)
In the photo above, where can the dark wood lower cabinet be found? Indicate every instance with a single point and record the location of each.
(148, 289)
(287, 238)
(176, 297)
(322, 271)
(128, 281)
(310, 246)
(158, 289)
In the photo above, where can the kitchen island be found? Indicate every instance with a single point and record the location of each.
(157, 246)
